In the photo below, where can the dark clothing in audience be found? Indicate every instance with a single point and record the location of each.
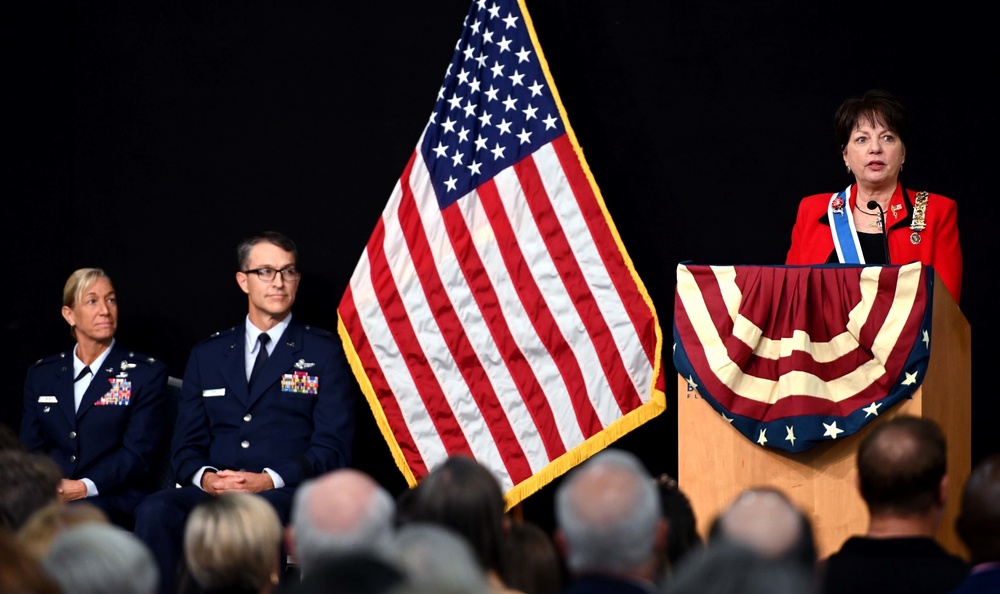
(981, 581)
(606, 584)
(885, 565)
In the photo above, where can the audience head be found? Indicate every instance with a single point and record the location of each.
(978, 522)
(682, 525)
(43, 526)
(9, 439)
(97, 558)
(27, 482)
(766, 521)
(533, 564)
(729, 568)
(902, 465)
(20, 573)
(437, 560)
(609, 518)
(343, 511)
(233, 542)
(464, 496)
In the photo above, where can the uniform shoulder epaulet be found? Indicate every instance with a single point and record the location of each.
(317, 331)
(220, 334)
(136, 357)
(53, 358)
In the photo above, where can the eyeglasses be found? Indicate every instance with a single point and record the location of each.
(290, 274)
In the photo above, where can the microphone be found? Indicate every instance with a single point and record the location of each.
(872, 205)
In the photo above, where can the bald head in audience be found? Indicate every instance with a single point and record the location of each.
(343, 511)
(766, 521)
(902, 476)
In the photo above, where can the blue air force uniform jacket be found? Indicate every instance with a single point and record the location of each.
(298, 421)
(117, 433)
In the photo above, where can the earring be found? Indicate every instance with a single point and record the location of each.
(848, 169)
(901, 168)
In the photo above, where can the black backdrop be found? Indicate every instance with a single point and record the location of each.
(148, 138)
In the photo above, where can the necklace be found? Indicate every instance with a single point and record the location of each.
(876, 224)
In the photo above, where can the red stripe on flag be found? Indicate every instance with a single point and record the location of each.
(485, 295)
(466, 358)
(604, 240)
(548, 332)
(576, 285)
(398, 323)
(386, 399)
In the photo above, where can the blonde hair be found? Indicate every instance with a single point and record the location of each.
(80, 281)
(233, 541)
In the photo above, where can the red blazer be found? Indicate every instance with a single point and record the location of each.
(812, 242)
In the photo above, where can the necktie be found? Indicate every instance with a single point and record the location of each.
(83, 373)
(258, 364)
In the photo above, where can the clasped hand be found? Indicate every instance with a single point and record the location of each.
(216, 483)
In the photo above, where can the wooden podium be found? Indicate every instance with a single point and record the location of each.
(716, 462)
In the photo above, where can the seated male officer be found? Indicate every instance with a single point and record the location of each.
(264, 406)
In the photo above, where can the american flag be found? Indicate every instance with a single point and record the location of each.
(495, 312)
(796, 356)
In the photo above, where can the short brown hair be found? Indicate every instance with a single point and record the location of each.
(901, 464)
(29, 482)
(875, 106)
(273, 237)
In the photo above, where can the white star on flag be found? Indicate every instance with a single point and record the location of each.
(872, 409)
(832, 430)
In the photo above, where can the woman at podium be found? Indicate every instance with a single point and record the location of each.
(875, 220)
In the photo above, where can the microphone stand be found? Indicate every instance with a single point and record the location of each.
(872, 205)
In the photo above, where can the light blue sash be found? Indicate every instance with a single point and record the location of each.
(845, 235)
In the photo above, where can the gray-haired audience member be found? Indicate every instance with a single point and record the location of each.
(343, 511)
(978, 525)
(610, 530)
(97, 558)
(437, 560)
(902, 477)
(766, 521)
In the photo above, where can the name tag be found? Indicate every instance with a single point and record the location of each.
(48, 399)
(215, 392)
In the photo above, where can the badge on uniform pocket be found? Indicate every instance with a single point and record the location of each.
(119, 394)
(300, 382)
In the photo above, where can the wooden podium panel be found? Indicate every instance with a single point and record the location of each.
(716, 462)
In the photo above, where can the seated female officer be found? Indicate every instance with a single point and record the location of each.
(97, 409)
